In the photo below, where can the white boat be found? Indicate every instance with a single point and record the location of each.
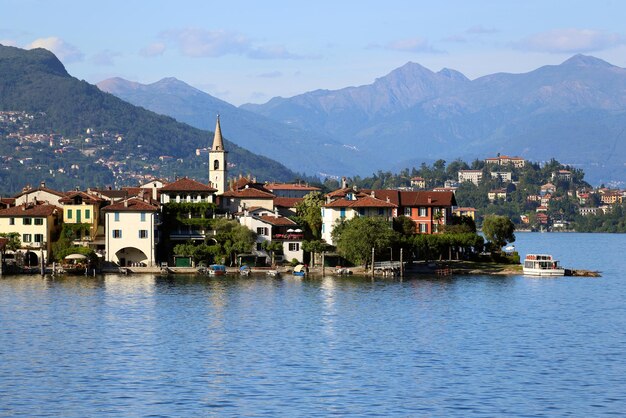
(542, 265)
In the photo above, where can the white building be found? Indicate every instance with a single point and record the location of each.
(269, 226)
(475, 176)
(131, 232)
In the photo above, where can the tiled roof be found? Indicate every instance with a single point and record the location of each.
(343, 192)
(249, 192)
(187, 185)
(29, 209)
(427, 198)
(287, 202)
(277, 220)
(40, 189)
(131, 205)
(69, 197)
(362, 202)
(288, 186)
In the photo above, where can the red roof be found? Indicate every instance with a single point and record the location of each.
(426, 198)
(187, 185)
(361, 202)
(69, 198)
(29, 209)
(131, 205)
(40, 189)
(288, 186)
(287, 202)
(277, 220)
(249, 192)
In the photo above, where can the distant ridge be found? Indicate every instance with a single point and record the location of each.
(574, 112)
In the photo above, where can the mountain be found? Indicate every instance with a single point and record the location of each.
(300, 150)
(94, 136)
(573, 112)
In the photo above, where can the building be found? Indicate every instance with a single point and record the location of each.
(82, 208)
(187, 190)
(246, 194)
(505, 159)
(353, 205)
(271, 227)
(562, 175)
(471, 212)
(218, 161)
(547, 188)
(131, 232)
(503, 176)
(475, 176)
(40, 194)
(38, 225)
(290, 189)
(496, 194)
(418, 182)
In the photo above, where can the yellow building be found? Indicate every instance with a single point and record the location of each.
(82, 208)
(38, 225)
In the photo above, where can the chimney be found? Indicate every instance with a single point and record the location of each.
(372, 194)
(344, 183)
(276, 212)
(430, 199)
(125, 203)
(42, 184)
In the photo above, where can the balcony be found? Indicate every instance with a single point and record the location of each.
(288, 237)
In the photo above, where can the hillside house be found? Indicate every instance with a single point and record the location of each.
(475, 176)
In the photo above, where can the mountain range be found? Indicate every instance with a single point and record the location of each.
(36, 82)
(574, 112)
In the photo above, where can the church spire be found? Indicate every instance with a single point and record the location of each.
(218, 144)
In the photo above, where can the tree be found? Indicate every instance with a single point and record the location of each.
(499, 230)
(233, 238)
(315, 246)
(356, 237)
(14, 243)
(272, 247)
(310, 213)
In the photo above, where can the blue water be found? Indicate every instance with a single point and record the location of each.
(187, 346)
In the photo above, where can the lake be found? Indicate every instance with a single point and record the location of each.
(187, 346)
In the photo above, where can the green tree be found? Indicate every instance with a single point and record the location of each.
(315, 247)
(310, 214)
(272, 247)
(233, 238)
(499, 230)
(14, 243)
(356, 237)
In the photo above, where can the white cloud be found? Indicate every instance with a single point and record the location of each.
(8, 42)
(152, 50)
(216, 43)
(570, 41)
(64, 51)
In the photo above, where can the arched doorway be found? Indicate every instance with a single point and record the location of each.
(132, 257)
(31, 259)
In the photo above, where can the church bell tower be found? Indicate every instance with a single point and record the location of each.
(217, 161)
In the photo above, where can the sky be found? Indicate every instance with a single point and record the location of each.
(251, 51)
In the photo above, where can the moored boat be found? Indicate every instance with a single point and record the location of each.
(216, 270)
(542, 265)
(300, 270)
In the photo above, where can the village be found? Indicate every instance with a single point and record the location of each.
(148, 225)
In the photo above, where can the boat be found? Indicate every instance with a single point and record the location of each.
(542, 265)
(216, 270)
(273, 273)
(244, 271)
(299, 270)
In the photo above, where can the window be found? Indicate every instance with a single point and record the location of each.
(322, 212)
(407, 212)
(423, 212)
(11, 221)
(87, 214)
(216, 165)
(39, 238)
(143, 216)
(259, 246)
(294, 246)
(381, 211)
(117, 233)
(116, 216)
(435, 228)
(261, 230)
(362, 211)
(27, 221)
(69, 214)
(38, 221)
(342, 212)
(143, 233)
(27, 238)
(323, 228)
(423, 228)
